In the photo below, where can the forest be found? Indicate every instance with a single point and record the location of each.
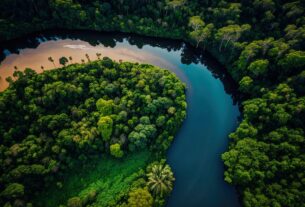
(55, 122)
(262, 45)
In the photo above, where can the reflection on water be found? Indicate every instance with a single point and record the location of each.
(211, 114)
(34, 50)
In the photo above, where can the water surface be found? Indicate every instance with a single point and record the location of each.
(212, 112)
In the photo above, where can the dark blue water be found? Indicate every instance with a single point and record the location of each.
(195, 155)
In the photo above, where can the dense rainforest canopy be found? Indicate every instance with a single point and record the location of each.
(262, 44)
(51, 123)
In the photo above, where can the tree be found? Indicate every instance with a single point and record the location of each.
(13, 190)
(64, 109)
(141, 135)
(138, 139)
(171, 110)
(293, 60)
(245, 84)
(10, 80)
(264, 5)
(104, 106)
(52, 61)
(63, 61)
(196, 23)
(202, 34)
(105, 125)
(160, 179)
(231, 33)
(175, 3)
(140, 198)
(74, 202)
(258, 67)
(160, 121)
(98, 55)
(115, 150)
(88, 58)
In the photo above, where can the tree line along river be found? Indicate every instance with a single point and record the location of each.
(195, 154)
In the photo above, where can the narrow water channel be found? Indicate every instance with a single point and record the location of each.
(195, 155)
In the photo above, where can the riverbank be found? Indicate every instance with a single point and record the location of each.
(212, 110)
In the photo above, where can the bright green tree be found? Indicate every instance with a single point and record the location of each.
(104, 106)
(195, 22)
(105, 125)
(115, 150)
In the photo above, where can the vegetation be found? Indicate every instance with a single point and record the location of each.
(260, 42)
(66, 120)
(101, 182)
(140, 198)
(160, 179)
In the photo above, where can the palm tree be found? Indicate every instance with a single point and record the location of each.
(98, 55)
(42, 68)
(160, 179)
(52, 61)
(83, 61)
(87, 56)
(15, 67)
(70, 58)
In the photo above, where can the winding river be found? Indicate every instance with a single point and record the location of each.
(195, 155)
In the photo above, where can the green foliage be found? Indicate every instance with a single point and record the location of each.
(14, 190)
(74, 202)
(105, 125)
(105, 107)
(160, 179)
(140, 198)
(115, 150)
(196, 22)
(141, 135)
(160, 121)
(258, 67)
(100, 182)
(293, 61)
(200, 33)
(265, 149)
(73, 116)
(245, 84)
(230, 34)
(265, 159)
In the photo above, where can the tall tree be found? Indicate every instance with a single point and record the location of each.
(51, 60)
(160, 179)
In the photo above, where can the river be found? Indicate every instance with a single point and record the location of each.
(195, 154)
